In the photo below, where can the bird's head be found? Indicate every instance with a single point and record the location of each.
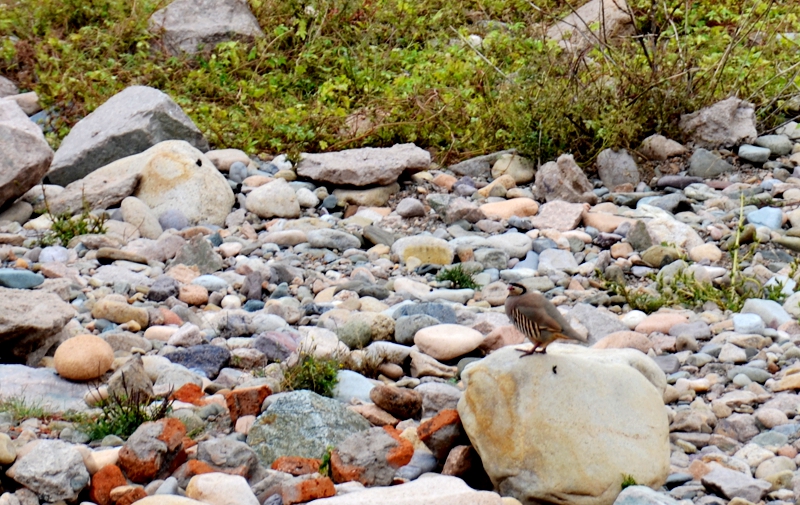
(515, 289)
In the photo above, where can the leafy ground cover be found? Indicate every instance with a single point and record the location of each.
(336, 74)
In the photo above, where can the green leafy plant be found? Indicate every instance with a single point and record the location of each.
(120, 415)
(65, 226)
(628, 481)
(312, 373)
(335, 74)
(460, 278)
(325, 466)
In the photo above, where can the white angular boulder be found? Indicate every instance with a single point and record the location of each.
(25, 155)
(130, 122)
(565, 427)
(365, 166)
(187, 26)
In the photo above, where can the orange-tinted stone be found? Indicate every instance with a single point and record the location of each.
(170, 317)
(305, 490)
(189, 393)
(444, 418)
(196, 467)
(106, 479)
(246, 401)
(342, 472)
(400, 455)
(296, 465)
(173, 432)
(151, 461)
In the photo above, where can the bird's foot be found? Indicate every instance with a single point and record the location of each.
(530, 351)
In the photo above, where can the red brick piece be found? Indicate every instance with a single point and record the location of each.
(306, 488)
(106, 479)
(189, 393)
(296, 465)
(246, 401)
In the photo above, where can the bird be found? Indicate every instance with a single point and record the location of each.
(537, 319)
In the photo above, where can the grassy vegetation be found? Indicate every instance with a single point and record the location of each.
(312, 373)
(120, 415)
(334, 74)
(683, 289)
(460, 278)
(65, 226)
(22, 409)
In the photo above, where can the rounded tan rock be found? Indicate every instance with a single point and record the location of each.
(84, 357)
(193, 294)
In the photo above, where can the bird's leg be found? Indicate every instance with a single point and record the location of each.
(532, 350)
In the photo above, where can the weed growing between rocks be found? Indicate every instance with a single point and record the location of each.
(120, 415)
(65, 226)
(628, 481)
(460, 278)
(313, 373)
(684, 289)
(459, 78)
(21, 409)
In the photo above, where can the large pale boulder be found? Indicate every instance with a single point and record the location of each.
(171, 175)
(564, 427)
(188, 25)
(365, 166)
(30, 323)
(25, 155)
(727, 123)
(130, 122)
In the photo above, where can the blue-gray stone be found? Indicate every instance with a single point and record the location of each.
(712, 349)
(215, 239)
(253, 305)
(302, 423)
(754, 154)
(707, 165)
(330, 202)
(19, 279)
(237, 172)
(173, 218)
(207, 358)
(531, 261)
(211, 282)
(778, 145)
(444, 313)
(771, 217)
(752, 373)
(541, 244)
(421, 462)
(407, 326)
(748, 324)
(790, 430)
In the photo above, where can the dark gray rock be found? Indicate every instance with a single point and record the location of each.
(129, 123)
(208, 358)
(374, 235)
(229, 456)
(707, 165)
(198, 252)
(616, 168)
(480, 166)
(162, 288)
(407, 326)
(369, 451)
(443, 313)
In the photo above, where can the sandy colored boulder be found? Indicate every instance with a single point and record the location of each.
(84, 357)
(365, 166)
(624, 340)
(447, 341)
(564, 428)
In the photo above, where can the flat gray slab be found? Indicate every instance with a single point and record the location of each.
(43, 387)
